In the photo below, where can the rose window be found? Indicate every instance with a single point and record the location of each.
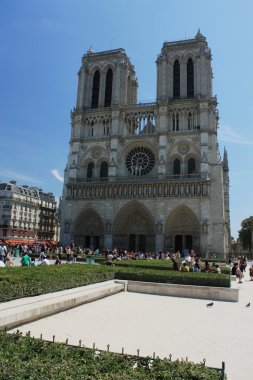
(140, 161)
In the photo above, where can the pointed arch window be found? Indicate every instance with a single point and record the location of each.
(191, 166)
(176, 167)
(95, 90)
(176, 80)
(108, 88)
(90, 171)
(104, 170)
(190, 78)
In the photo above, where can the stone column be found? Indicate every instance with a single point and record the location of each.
(101, 99)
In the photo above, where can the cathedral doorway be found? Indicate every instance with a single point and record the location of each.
(137, 242)
(183, 242)
(89, 230)
(182, 230)
(134, 228)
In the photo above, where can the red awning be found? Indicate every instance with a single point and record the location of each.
(15, 241)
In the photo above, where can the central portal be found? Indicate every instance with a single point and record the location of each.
(137, 242)
(134, 228)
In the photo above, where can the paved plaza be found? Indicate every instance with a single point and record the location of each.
(183, 327)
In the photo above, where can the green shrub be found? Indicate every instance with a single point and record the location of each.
(30, 358)
(21, 282)
(173, 277)
(162, 264)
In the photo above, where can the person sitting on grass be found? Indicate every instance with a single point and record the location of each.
(217, 269)
(57, 261)
(184, 267)
(196, 268)
(8, 262)
(25, 261)
(207, 267)
(45, 261)
(175, 264)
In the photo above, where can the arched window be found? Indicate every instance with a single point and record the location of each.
(104, 170)
(176, 80)
(191, 166)
(108, 88)
(190, 78)
(175, 122)
(176, 167)
(95, 90)
(90, 170)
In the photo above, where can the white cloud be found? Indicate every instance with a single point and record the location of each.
(229, 136)
(57, 175)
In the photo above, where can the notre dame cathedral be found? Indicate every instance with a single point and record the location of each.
(147, 176)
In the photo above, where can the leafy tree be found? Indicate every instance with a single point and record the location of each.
(245, 233)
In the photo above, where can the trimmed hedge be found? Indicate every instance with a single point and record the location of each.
(161, 264)
(21, 282)
(173, 277)
(30, 358)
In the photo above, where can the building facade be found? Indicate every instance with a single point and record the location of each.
(27, 214)
(147, 176)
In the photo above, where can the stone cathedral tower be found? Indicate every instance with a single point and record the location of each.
(147, 176)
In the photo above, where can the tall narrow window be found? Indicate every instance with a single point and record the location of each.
(90, 171)
(175, 122)
(104, 170)
(190, 121)
(108, 88)
(190, 79)
(191, 166)
(95, 90)
(176, 167)
(176, 80)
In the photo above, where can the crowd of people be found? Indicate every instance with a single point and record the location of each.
(190, 261)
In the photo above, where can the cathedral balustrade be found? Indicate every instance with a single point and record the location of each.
(148, 188)
(140, 119)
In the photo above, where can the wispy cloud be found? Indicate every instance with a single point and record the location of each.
(9, 174)
(57, 175)
(229, 136)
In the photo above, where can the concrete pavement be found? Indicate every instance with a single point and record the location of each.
(183, 327)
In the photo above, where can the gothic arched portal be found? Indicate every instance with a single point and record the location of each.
(134, 228)
(89, 230)
(182, 230)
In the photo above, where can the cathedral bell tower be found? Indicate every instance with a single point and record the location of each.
(106, 79)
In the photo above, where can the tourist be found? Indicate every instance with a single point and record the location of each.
(251, 273)
(218, 270)
(175, 264)
(184, 267)
(196, 268)
(239, 274)
(25, 261)
(3, 252)
(45, 261)
(57, 261)
(8, 262)
(32, 263)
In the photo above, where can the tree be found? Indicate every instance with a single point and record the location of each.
(245, 233)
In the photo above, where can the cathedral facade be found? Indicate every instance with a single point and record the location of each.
(147, 176)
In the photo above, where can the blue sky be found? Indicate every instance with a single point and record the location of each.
(42, 42)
